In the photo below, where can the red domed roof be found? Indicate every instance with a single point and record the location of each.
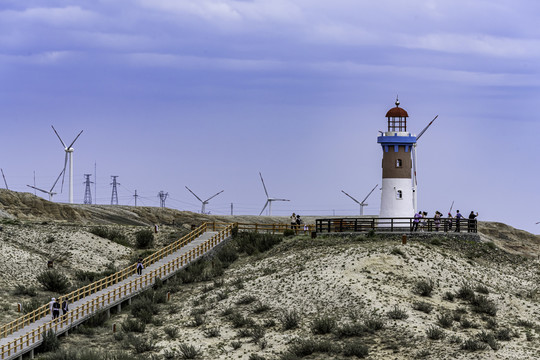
(396, 112)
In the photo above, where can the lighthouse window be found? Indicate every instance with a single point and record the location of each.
(399, 195)
(399, 163)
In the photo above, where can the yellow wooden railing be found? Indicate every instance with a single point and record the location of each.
(274, 228)
(98, 285)
(118, 293)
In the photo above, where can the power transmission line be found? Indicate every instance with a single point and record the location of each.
(114, 196)
(87, 193)
(162, 197)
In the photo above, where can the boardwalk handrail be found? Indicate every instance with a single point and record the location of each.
(271, 228)
(98, 285)
(131, 287)
(401, 224)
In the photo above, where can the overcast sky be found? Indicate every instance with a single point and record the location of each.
(208, 93)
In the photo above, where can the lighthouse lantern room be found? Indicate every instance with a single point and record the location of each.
(397, 189)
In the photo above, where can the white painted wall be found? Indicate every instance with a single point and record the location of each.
(391, 206)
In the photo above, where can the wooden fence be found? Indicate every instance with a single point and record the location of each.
(365, 224)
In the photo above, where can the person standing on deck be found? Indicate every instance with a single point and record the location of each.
(437, 220)
(472, 221)
(416, 220)
(293, 221)
(449, 221)
(458, 221)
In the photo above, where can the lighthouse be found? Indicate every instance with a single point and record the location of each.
(397, 197)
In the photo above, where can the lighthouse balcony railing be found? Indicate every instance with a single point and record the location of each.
(366, 224)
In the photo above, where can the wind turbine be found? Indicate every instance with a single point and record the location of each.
(69, 153)
(363, 203)
(50, 192)
(205, 201)
(268, 199)
(415, 181)
(5, 182)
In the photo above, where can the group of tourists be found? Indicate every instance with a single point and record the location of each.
(55, 307)
(420, 221)
(296, 221)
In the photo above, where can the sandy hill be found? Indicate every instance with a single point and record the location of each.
(351, 279)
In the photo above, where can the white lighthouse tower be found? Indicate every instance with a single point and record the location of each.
(397, 198)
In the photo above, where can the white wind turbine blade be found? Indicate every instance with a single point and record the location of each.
(369, 194)
(356, 201)
(280, 200)
(211, 197)
(33, 187)
(264, 186)
(64, 172)
(5, 182)
(59, 138)
(414, 150)
(58, 178)
(194, 194)
(423, 131)
(415, 181)
(265, 205)
(69, 147)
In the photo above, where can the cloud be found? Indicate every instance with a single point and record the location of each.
(229, 10)
(40, 58)
(194, 62)
(57, 16)
(480, 44)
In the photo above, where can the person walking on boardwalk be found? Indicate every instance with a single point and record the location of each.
(56, 309)
(449, 221)
(458, 221)
(140, 266)
(53, 300)
(471, 225)
(65, 307)
(293, 221)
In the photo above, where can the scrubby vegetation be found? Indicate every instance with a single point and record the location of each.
(112, 234)
(144, 239)
(53, 280)
(259, 287)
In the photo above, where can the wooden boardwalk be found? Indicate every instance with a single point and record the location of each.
(23, 335)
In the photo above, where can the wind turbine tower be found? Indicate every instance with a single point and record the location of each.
(205, 202)
(398, 196)
(269, 200)
(69, 153)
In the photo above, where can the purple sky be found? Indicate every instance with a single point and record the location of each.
(208, 93)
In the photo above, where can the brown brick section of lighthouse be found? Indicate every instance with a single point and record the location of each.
(389, 163)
